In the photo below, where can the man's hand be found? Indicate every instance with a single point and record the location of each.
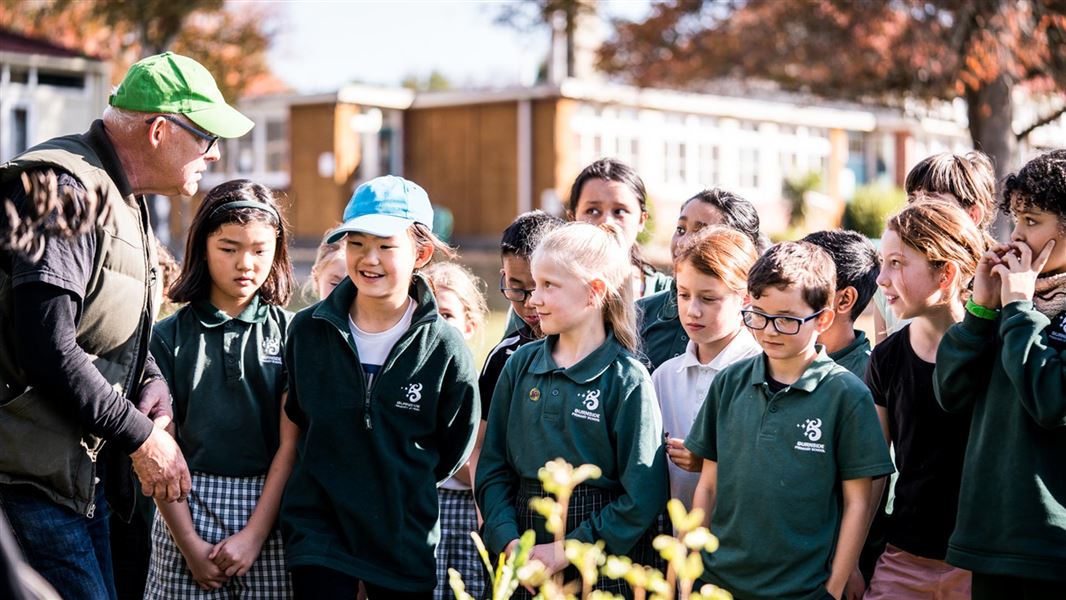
(161, 467)
(155, 403)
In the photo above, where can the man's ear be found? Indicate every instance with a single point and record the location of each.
(157, 131)
(845, 300)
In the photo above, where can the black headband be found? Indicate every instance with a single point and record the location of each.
(245, 204)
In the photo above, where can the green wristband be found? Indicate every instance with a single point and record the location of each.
(981, 312)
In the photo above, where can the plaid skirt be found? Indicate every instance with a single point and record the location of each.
(584, 502)
(220, 507)
(456, 549)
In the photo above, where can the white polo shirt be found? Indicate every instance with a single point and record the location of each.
(681, 384)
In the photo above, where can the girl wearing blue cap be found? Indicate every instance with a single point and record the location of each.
(384, 393)
(221, 355)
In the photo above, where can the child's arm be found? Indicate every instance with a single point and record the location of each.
(458, 415)
(1037, 371)
(195, 550)
(706, 495)
(236, 554)
(853, 525)
(967, 351)
(495, 482)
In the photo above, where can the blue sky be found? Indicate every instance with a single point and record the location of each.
(324, 44)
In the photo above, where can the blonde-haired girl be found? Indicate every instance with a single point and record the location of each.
(461, 304)
(578, 394)
(929, 253)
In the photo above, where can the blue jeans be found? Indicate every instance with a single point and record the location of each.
(71, 551)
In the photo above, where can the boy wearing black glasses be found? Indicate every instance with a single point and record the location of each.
(516, 284)
(790, 442)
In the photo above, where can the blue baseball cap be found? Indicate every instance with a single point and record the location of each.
(385, 206)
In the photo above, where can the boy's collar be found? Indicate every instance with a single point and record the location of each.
(586, 369)
(858, 342)
(812, 375)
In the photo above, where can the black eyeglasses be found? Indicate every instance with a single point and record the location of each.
(513, 294)
(209, 138)
(784, 325)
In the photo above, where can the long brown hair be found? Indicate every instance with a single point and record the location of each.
(942, 233)
(195, 279)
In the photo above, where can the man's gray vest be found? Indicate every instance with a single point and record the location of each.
(43, 441)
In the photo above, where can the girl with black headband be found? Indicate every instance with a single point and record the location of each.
(222, 356)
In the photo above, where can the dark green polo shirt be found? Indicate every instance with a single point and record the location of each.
(661, 334)
(227, 377)
(855, 356)
(781, 460)
(600, 411)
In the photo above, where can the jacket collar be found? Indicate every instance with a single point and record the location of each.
(210, 316)
(807, 382)
(586, 369)
(98, 139)
(335, 307)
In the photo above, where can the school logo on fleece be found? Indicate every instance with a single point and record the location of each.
(590, 402)
(812, 431)
(412, 395)
(272, 350)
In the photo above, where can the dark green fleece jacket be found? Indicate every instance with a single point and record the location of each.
(1012, 507)
(362, 497)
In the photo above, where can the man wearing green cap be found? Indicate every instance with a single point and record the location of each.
(79, 391)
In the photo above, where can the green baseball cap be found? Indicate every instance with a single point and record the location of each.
(172, 83)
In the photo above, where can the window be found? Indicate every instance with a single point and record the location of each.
(749, 167)
(63, 80)
(277, 146)
(21, 123)
(20, 75)
(707, 165)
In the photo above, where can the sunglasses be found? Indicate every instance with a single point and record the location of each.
(209, 138)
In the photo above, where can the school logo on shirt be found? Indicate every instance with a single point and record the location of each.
(412, 396)
(590, 400)
(272, 350)
(534, 395)
(812, 430)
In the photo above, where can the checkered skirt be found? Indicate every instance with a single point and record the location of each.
(220, 507)
(456, 549)
(584, 502)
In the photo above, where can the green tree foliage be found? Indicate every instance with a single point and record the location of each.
(871, 207)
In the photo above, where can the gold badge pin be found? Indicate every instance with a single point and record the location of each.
(534, 394)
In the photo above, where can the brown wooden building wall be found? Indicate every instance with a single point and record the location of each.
(316, 203)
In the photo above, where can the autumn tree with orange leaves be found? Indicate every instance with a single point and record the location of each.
(231, 44)
(877, 50)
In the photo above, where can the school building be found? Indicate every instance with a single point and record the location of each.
(489, 155)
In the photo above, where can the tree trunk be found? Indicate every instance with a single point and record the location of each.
(990, 114)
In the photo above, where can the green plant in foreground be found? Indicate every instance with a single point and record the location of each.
(682, 553)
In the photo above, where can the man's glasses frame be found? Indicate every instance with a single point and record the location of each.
(757, 320)
(513, 294)
(209, 138)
